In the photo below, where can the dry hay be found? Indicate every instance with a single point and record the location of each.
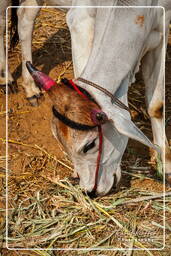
(48, 210)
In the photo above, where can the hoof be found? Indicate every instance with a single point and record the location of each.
(39, 95)
(12, 88)
(34, 100)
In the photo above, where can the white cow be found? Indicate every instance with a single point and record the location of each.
(108, 45)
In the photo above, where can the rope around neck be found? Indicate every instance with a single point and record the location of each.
(114, 100)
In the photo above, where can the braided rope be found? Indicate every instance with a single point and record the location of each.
(115, 100)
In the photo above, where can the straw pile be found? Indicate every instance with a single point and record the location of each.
(48, 212)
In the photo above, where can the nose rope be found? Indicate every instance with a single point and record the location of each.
(100, 137)
(99, 156)
(77, 89)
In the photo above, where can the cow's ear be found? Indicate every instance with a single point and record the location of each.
(126, 127)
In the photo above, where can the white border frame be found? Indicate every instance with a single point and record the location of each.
(81, 249)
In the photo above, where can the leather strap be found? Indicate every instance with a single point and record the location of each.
(98, 87)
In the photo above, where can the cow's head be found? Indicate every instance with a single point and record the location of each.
(75, 124)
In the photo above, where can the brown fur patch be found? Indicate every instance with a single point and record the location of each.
(140, 20)
(156, 110)
(63, 129)
(69, 103)
(153, 157)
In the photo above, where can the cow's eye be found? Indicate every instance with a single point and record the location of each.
(89, 146)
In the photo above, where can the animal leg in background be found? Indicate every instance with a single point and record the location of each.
(153, 73)
(26, 18)
(3, 5)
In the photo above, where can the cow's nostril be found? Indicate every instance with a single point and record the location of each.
(92, 194)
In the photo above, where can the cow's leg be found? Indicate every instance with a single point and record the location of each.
(4, 5)
(26, 17)
(153, 73)
(81, 25)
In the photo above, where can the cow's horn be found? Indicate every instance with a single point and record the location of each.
(39, 77)
(98, 117)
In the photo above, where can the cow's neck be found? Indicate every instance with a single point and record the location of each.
(113, 61)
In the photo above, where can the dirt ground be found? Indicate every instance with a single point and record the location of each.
(32, 148)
